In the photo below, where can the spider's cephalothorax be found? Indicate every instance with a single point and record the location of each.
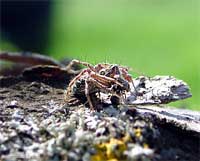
(102, 78)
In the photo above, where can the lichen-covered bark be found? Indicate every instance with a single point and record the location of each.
(37, 125)
(157, 90)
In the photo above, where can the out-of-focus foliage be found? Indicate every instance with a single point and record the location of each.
(6, 45)
(155, 37)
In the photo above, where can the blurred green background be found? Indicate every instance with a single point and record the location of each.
(154, 37)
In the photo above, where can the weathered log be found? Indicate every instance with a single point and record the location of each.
(28, 58)
(37, 125)
(184, 119)
(157, 90)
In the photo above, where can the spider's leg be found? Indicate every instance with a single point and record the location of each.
(84, 63)
(104, 79)
(87, 95)
(74, 61)
(73, 102)
(102, 86)
(136, 92)
(69, 69)
(73, 81)
(77, 77)
(129, 78)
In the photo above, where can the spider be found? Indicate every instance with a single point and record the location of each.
(102, 78)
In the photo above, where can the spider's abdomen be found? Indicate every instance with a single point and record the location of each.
(79, 88)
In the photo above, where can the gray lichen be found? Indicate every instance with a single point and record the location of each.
(157, 90)
(37, 125)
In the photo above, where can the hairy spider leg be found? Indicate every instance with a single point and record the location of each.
(74, 61)
(102, 86)
(98, 67)
(128, 77)
(104, 79)
(75, 79)
(87, 95)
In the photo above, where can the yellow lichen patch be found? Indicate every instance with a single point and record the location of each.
(113, 160)
(146, 146)
(126, 138)
(98, 157)
(110, 151)
(138, 132)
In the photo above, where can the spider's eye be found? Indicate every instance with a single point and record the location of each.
(102, 72)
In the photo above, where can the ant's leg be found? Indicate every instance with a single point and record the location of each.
(88, 96)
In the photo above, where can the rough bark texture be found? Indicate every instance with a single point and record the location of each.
(35, 124)
(158, 90)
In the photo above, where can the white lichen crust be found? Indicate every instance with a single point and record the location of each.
(157, 90)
